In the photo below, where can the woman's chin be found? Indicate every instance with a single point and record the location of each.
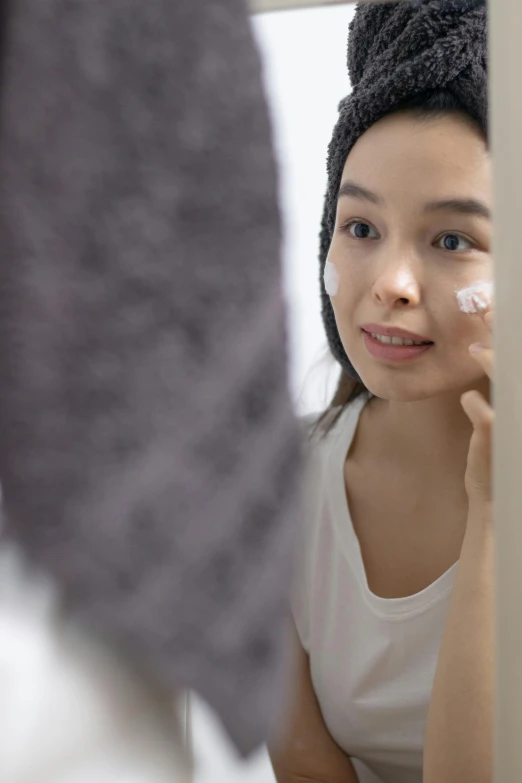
(430, 374)
(394, 392)
(408, 388)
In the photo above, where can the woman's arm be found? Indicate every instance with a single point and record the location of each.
(307, 753)
(459, 734)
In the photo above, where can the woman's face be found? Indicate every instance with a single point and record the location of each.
(412, 228)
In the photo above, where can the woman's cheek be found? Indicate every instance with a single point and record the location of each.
(459, 332)
(353, 281)
(344, 303)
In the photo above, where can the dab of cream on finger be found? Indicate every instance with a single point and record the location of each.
(331, 279)
(475, 297)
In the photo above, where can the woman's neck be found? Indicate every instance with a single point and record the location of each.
(433, 431)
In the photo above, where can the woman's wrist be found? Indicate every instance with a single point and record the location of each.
(480, 514)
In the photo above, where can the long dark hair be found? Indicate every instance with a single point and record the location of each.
(429, 105)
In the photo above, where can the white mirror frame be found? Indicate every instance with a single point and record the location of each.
(261, 6)
(505, 59)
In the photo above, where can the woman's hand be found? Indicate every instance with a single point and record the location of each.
(478, 472)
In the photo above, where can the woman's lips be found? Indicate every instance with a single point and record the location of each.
(394, 331)
(391, 352)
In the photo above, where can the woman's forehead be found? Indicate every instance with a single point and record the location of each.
(440, 158)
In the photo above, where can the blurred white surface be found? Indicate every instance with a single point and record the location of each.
(72, 711)
(304, 55)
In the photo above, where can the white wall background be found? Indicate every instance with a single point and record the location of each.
(304, 55)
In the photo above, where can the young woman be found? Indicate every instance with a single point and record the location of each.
(393, 596)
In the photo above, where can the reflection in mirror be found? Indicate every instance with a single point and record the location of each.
(394, 564)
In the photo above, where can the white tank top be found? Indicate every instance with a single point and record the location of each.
(372, 659)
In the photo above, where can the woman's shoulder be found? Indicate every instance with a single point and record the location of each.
(320, 434)
(319, 430)
(316, 434)
(325, 438)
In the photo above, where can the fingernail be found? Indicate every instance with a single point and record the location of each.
(476, 348)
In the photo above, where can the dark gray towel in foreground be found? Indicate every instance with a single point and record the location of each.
(148, 451)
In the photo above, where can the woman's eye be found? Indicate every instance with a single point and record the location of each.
(360, 230)
(454, 242)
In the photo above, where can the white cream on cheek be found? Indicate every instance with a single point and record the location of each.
(331, 278)
(475, 297)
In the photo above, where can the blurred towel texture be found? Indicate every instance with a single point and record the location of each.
(149, 455)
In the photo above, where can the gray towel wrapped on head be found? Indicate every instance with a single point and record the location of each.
(149, 454)
(396, 52)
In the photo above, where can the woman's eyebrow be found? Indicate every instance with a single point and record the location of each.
(464, 206)
(353, 190)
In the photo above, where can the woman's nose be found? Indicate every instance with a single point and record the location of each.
(396, 285)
